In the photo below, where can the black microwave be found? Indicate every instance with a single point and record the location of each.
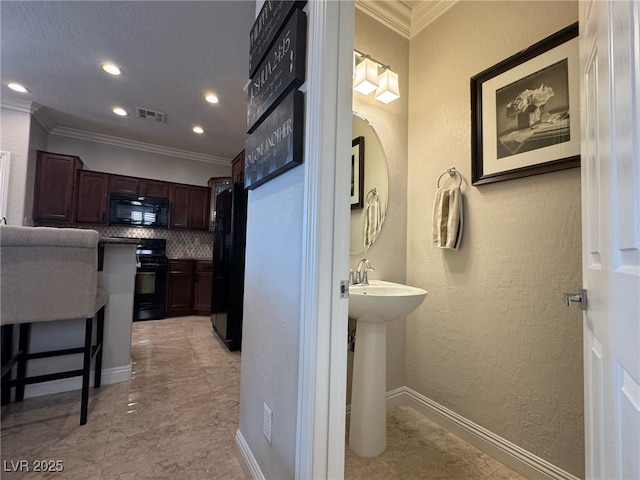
(137, 211)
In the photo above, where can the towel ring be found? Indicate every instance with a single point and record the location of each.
(373, 191)
(452, 172)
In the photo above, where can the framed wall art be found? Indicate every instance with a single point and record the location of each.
(357, 173)
(525, 112)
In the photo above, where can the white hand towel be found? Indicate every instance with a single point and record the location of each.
(372, 219)
(447, 218)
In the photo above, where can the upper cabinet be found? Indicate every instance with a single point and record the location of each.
(55, 187)
(65, 193)
(189, 207)
(122, 184)
(138, 186)
(153, 188)
(91, 206)
(237, 168)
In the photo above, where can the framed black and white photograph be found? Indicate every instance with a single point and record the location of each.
(525, 117)
(357, 173)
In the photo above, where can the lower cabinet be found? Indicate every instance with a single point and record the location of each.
(203, 276)
(189, 288)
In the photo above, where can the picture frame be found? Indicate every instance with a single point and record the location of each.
(357, 173)
(525, 112)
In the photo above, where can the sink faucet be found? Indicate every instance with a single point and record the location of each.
(361, 275)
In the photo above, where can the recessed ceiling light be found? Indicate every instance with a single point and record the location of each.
(111, 68)
(198, 129)
(17, 87)
(120, 111)
(211, 98)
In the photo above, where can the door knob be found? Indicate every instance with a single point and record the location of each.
(580, 298)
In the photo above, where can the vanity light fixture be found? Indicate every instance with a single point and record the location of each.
(120, 111)
(367, 80)
(111, 69)
(388, 89)
(211, 98)
(198, 129)
(17, 87)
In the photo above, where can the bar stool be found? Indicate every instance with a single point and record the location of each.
(47, 275)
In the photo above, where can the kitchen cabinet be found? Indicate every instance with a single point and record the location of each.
(153, 188)
(216, 185)
(179, 196)
(189, 207)
(189, 287)
(198, 208)
(180, 288)
(237, 168)
(91, 205)
(55, 187)
(122, 184)
(203, 278)
(138, 186)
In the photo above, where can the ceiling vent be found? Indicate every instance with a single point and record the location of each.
(147, 114)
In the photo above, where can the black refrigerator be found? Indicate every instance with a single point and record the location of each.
(229, 240)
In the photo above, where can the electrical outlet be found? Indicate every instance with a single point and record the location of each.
(266, 426)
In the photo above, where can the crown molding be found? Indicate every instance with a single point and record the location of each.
(19, 105)
(136, 145)
(395, 15)
(426, 12)
(403, 19)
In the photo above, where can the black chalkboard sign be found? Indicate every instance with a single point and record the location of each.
(272, 16)
(281, 70)
(277, 144)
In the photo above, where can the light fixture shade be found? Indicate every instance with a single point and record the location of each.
(366, 80)
(388, 89)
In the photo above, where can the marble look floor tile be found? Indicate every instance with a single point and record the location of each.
(177, 418)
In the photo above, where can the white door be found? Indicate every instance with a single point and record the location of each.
(610, 102)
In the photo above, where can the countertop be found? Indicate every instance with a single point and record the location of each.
(118, 241)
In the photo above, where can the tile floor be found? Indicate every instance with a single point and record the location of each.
(176, 419)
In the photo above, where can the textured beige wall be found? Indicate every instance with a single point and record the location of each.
(493, 341)
(388, 254)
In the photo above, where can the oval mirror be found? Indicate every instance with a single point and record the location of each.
(376, 176)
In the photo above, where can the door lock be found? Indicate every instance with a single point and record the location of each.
(580, 298)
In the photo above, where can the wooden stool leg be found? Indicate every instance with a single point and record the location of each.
(86, 370)
(99, 340)
(23, 347)
(7, 353)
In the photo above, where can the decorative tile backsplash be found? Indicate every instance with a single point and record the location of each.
(180, 243)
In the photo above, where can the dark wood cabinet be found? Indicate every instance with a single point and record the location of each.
(202, 287)
(189, 287)
(180, 288)
(189, 207)
(237, 168)
(123, 184)
(198, 208)
(215, 185)
(153, 188)
(91, 205)
(54, 188)
(179, 197)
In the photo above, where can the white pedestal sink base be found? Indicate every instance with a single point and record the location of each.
(368, 429)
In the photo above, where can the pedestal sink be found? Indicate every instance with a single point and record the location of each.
(373, 306)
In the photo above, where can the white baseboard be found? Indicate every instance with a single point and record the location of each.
(510, 454)
(248, 462)
(109, 376)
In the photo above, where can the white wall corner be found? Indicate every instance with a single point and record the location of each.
(510, 454)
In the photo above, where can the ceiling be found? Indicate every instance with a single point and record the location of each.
(171, 53)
